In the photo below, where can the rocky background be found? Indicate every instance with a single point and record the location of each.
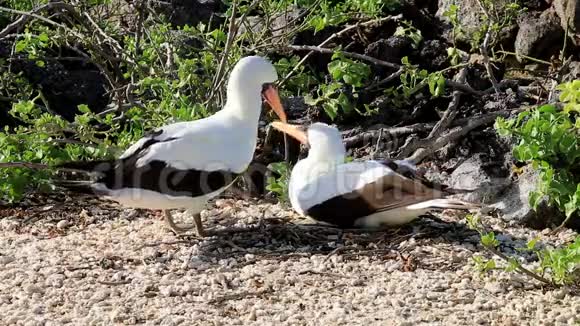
(78, 260)
(477, 159)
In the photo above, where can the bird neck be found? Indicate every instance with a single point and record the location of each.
(244, 101)
(318, 163)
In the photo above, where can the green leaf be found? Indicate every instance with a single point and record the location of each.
(489, 240)
(330, 109)
(43, 37)
(531, 245)
(534, 199)
(83, 108)
(20, 46)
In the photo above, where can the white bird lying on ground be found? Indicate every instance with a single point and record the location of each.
(367, 194)
(183, 165)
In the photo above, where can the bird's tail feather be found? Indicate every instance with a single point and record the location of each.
(456, 191)
(87, 166)
(446, 203)
(82, 187)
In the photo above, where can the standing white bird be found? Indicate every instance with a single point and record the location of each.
(366, 194)
(183, 165)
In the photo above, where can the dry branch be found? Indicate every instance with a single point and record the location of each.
(337, 34)
(23, 165)
(353, 55)
(372, 135)
(454, 135)
(33, 14)
(485, 48)
(455, 85)
(394, 132)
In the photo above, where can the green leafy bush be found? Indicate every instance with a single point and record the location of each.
(548, 138)
(558, 266)
(345, 72)
(279, 185)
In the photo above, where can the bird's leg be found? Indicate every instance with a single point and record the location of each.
(198, 225)
(176, 229)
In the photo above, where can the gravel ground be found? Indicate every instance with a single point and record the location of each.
(86, 264)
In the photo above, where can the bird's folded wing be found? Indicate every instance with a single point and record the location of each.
(394, 191)
(210, 150)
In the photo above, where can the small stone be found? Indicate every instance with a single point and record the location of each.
(32, 288)
(5, 260)
(494, 287)
(62, 224)
(560, 294)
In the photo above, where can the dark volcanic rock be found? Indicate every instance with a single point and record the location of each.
(477, 76)
(65, 89)
(392, 49)
(469, 15)
(433, 55)
(193, 12)
(280, 26)
(540, 35)
(514, 203)
(573, 72)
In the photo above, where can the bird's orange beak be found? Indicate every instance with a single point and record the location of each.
(292, 130)
(271, 96)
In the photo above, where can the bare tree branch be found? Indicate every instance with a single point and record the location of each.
(335, 35)
(23, 165)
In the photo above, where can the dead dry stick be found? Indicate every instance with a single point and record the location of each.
(29, 165)
(231, 34)
(519, 267)
(421, 147)
(33, 14)
(239, 296)
(391, 133)
(452, 109)
(455, 85)
(385, 80)
(485, 48)
(335, 35)
(452, 136)
(346, 54)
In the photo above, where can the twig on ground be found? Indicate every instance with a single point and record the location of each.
(242, 295)
(373, 132)
(519, 266)
(309, 271)
(161, 243)
(111, 283)
(377, 147)
(524, 57)
(452, 109)
(462, 87)
(452, 136)
(394, 132)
